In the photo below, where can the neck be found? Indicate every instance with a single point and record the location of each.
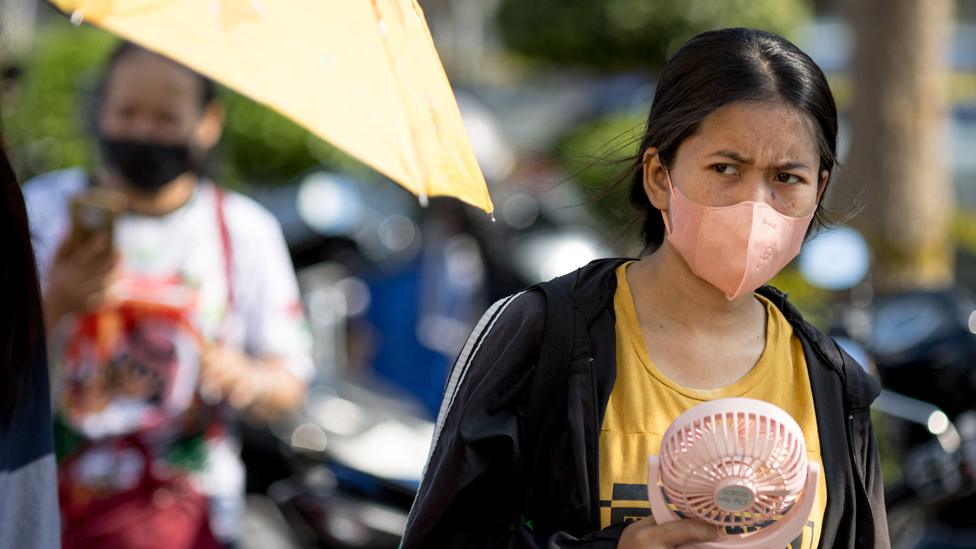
(167, 199)
(663, 283)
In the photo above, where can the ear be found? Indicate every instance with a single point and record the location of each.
(210, 127)
(822, 185)
(655, 180)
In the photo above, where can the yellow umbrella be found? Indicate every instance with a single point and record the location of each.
(361, 74)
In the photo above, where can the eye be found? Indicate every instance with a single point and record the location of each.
(125, 112)
(725, 169)
(788, 178)
(167, 117)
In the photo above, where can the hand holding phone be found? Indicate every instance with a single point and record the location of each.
(86, 265)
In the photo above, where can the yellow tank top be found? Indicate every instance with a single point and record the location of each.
(644, 403)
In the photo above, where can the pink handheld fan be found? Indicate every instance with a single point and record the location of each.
(737, 463)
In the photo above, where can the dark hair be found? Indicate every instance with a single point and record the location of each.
(208, 90)
(720, 67)
(21, 324)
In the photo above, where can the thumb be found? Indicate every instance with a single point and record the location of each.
(689, 531)
(65, 248)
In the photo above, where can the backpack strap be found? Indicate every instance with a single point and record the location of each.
(549, 378)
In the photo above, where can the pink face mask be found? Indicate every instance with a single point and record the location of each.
(735, 248)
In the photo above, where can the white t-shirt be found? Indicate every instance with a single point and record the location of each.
(266, 317)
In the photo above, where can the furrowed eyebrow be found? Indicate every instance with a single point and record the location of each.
(732, 155)
(736, 157)
(792, 166)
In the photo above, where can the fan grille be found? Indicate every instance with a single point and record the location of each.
(740, 455)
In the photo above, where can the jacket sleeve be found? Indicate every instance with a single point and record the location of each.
(872, 530)
(874, 486)
(471, 494)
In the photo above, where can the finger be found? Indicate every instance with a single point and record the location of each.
(65, 249)
(109, 267)
(210, 393)
(216, 370)
(209, 355)
(111, 299)
(264, 405)
(95, 250)
(220, 371)
(98, 299)
(242, 393)
(86, 288)
(98, 293)
(686, 531)
(106, 280)
(266, 409)
(230, 360)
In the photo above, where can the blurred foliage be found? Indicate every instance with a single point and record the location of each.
(892, 457)
(599, 156)
(46, 117)
(613, 34)
(809, 299)
(963, 230)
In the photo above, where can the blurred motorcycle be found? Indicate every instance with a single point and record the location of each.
(922, 346)
(356, 456)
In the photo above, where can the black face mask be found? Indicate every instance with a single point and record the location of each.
(146, 165)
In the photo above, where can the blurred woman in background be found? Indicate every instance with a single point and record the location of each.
(213, 258)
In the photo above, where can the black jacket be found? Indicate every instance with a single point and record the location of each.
(474, 490)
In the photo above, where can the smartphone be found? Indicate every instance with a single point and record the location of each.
(94, 212)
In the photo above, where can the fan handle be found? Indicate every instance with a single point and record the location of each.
(776, 536)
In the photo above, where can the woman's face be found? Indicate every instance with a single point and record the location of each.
(148, 98)
(758, 151)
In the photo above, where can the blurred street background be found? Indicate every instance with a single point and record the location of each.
(553, 94)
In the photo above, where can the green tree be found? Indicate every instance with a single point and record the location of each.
(598, 155)
(613, 34)
(44, 115)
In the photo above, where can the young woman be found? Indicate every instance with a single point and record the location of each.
(28, 490)
(737, 154)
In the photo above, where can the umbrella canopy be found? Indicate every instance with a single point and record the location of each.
(362, 74)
